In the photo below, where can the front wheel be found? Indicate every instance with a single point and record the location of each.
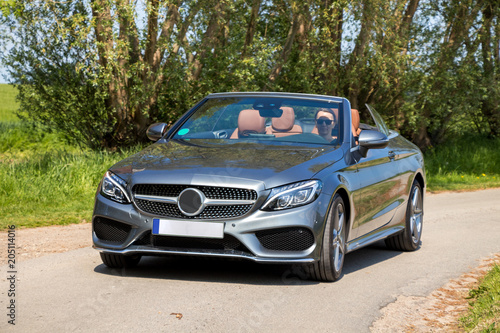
(409, 239)
(329, 267)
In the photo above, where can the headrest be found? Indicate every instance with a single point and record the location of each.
(250, 121)
(286, 121)
(355, 122)
(336, 113)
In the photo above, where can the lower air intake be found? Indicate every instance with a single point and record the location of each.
(228, 243)
(286, 239)
(110, 230)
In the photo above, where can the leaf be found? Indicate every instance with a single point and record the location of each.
(177, 315)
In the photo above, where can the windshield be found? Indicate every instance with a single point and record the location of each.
(379, 121)
(264, 119)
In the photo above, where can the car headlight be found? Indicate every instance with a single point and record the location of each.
(113, 187)
(293, 195)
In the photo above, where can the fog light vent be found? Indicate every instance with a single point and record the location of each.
(286, 239)
(111, 231)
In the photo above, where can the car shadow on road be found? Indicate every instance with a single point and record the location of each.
(368, 256)
(241, 271)
(209, 270)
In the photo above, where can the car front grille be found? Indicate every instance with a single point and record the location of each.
(219, 211)
(211, 192)
(228, 243)
(110, 230)
(286, 239)
(145, 239)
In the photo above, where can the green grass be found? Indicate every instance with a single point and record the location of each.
(56, 187)
(466, 163)
(484, 312)
(43, 180)
(8, 103)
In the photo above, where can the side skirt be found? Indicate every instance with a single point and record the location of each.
(373, 237)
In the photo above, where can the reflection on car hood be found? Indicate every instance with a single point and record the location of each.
(186, 162)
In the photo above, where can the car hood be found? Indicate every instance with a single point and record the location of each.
(205, 162)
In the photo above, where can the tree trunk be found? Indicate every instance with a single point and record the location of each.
(252, 24)
(116, 94)
(456, 33)
(299, 27)
(209, 40)
(490, 106)
(357, 58)
(156, 49)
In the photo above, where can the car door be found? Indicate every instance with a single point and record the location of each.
(380, 184)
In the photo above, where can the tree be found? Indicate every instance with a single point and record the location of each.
(459, 92)
(103, 70)
(102, 73)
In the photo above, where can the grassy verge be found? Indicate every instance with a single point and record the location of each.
(466, 163)
(484, 314)
(55, 187)
(8, 103)
(43, 180)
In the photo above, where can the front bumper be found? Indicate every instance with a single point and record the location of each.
(288, 236)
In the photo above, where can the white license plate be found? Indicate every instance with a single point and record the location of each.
(188, 228)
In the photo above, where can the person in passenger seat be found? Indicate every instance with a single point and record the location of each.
(325, 121)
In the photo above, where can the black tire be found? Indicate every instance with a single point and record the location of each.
(119, 261)
(409, 239)
(329, 267)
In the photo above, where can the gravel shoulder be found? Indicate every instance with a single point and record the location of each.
(437, 312)
(37, 242)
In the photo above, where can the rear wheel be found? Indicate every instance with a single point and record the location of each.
(119, 261)
(329, 267)
(409, 239)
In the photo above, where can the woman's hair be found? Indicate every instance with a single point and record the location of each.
(326, 110)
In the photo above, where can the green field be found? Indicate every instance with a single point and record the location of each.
(8, 103)
(45, 181)
(466, 163)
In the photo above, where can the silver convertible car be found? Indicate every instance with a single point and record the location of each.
(270, 177)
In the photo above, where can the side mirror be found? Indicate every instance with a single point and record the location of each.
(156, 131)
(369, 139)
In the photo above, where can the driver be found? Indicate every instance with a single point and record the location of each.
(325, 121)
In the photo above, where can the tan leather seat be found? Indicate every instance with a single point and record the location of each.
(355, 125)
(284, 125)
(249, 122)
(355, 122)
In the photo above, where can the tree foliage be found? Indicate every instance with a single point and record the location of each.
(103, 70)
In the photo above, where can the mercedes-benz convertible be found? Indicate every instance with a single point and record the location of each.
(269, 177)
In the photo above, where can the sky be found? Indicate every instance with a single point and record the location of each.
(3, 70)
(2, 73)
(3, 48)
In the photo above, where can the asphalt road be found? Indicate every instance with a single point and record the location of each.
(73, 291)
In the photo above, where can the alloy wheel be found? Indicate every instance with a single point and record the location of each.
(339, 239)
(416, 215)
